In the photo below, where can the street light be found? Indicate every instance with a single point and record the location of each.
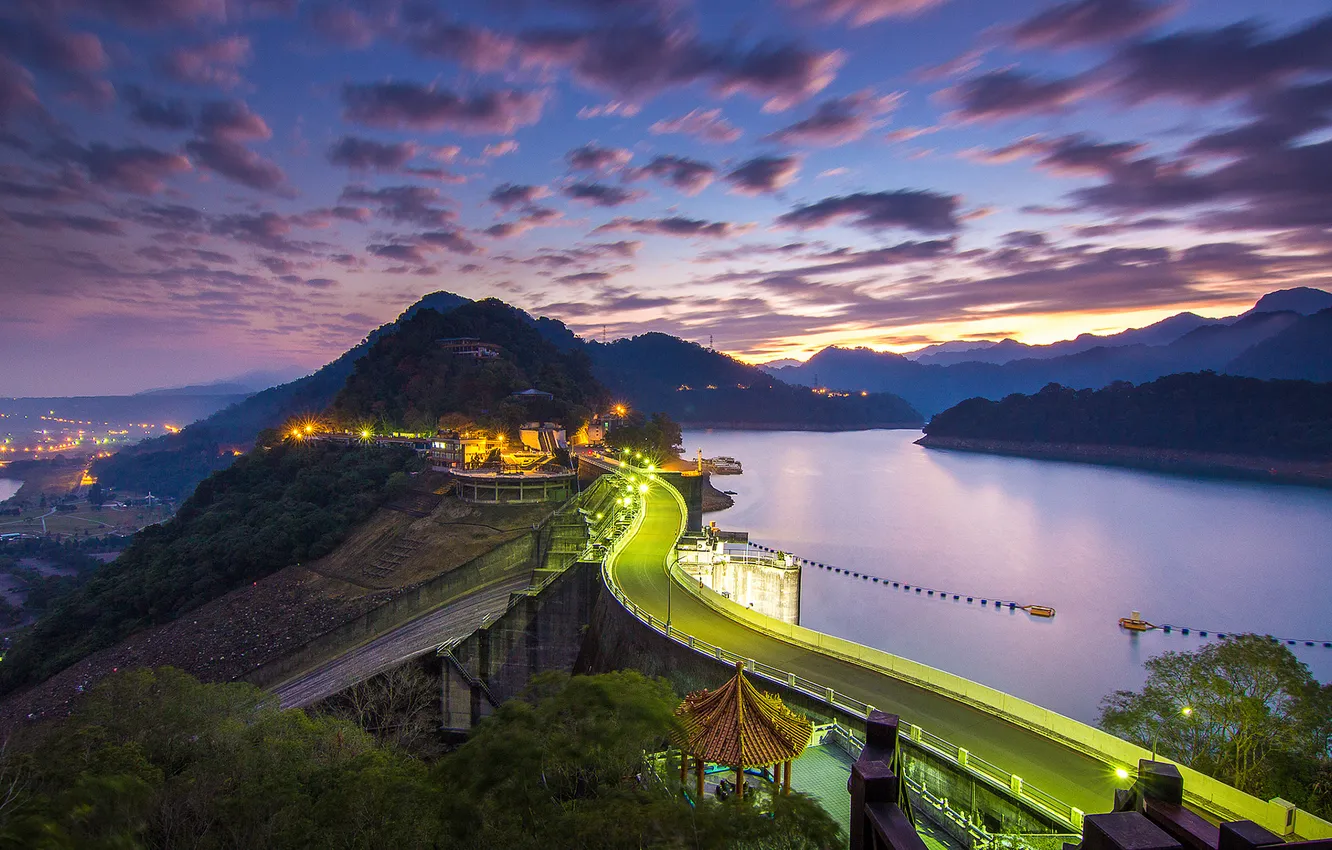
(1185, 711)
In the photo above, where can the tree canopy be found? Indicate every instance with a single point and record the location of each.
(1244, 710)
(408, 380)
(1201, 411)
(155, 759)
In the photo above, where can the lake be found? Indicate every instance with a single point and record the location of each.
(1093, 542)
(8, 487)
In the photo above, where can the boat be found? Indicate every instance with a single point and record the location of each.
(722, 465)
(1135, 623)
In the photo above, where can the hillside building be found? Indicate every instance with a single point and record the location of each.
(466, 346)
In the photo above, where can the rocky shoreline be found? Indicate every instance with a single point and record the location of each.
(1275, 470)
(714, 499)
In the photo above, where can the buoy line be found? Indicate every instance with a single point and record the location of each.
(1034, 610)
(1136, 624)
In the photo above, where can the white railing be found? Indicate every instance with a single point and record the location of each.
(1200, 790)
(1001, 780)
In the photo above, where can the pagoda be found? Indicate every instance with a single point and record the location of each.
(740, 727)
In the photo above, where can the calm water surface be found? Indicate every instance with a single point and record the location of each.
(8, 487)
(1092, 542)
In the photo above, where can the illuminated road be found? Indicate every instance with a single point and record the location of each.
(1064, 773)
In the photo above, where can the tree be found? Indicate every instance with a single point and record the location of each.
(97, 495)
(657, 438)
(153, 758)
(1244, 710)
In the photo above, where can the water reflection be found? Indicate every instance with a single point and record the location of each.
(1094, 542)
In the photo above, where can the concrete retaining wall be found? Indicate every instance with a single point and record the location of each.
(506, 561)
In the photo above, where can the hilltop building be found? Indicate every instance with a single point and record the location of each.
(543, 437)
(451, 450)
(467, 346)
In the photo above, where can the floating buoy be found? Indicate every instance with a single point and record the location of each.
(1135, 623)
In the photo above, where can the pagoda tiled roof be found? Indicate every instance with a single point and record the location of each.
(737, 724)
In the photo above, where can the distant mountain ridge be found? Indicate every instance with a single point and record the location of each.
(1182, 343)
(700, 386)
(1302, 300)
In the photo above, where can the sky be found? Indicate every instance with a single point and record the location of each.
(191, 189)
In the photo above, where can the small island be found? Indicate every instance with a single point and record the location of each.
(1195, 423)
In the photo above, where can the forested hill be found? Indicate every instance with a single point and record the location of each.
(276, 506)
(657, 372)
(173, 465)
(1198, 412)
(408, 380)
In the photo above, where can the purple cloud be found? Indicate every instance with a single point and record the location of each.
(348, 25)
(240, 164)
(213, 63)
(138, 169)
(431, 33)
(858, 13)
(589, 157)
(673, 226)
(601, 195)
(368, 155)
(1281, 116)
(688, 175)
(924, 212)
(1204, 65)
(163, 113)
(63, 221)
(707, 125)
(39, 43)
(409, 204)
(839, 120)
(449, 240)
(509, 195)
(400, 252)
(410, 106)
(267, 230)
(1070, 156)
(1083, 22)
(16, 93)
(533, 216)
(231, 121)
(1008, 94)
(640, 59)
(584, 277)
(763, 174)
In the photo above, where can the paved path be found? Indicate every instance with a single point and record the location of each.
(457, 618)
(1062, 772)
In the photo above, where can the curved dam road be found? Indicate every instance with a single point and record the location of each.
(1067, 774)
